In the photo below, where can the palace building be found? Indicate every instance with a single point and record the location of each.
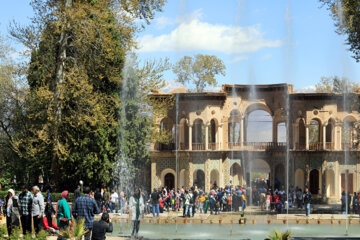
(213, 141)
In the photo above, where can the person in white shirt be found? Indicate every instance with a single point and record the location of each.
(113, 201)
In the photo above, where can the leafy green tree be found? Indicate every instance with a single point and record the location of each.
(346, 14)
(336, 85)
(78, 53)
(11, 121)
(199, 70)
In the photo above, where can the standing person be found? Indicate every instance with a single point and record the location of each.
(100, 228)
(113, 200)
(11, 211)
(98, 197)
(86, 207)
(63, 213)
(155, 197)
(136, 211)
(38, 208)
(25, 205)
(299, 198)
(106, 199)
(77, 192)
(307, 201)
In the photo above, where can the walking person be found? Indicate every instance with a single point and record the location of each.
(38, 208)
(11, 211)
(307, 201)
(25, 207)
(155, 197)
(63, 213)
(86, 207)
(136, 212)
(77, 192)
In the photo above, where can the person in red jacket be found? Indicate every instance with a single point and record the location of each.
(53, 229)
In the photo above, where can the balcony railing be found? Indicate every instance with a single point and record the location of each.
(214, 146)
(198, 146)
(268, 146)
(329, 146)
(349, 146)
(233, 145)
(183, 146)
(316, 146)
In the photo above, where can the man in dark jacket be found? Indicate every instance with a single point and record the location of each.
(307, 201)
(101, 227)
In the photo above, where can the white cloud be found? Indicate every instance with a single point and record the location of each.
(163, 22)
(192, 34)
(239, 58)
(307, 89)
(266, 56)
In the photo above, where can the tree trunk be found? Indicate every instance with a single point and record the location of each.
(58, 85)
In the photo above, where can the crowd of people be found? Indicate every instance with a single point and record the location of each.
(31, 209)
(230, 198)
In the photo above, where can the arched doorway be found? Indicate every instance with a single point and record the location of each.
(330, 183)
(314, 181)
(302, 137)
(315, 135)
(214, 178)
(236, 174)
(169, 180)
(299, 178)
(279, 177)
(330, 134)
(212, 134)
(183, 135)
(198, 135)
(199, 178)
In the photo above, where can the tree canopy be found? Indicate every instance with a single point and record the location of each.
(346, 14)
(71, 110)
(199, 70)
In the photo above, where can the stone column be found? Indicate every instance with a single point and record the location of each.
(220, 138)
(153, 174)
(220, 183)
(335, 137)
(274, 132)
(324, 137)
(340, 141)
(295, 135)
(307, 136)
(190, 137)
(242, 132)
(207, 175)
(206, 136)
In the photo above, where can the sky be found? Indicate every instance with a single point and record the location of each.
(260, 41)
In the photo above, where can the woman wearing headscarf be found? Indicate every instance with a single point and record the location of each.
(63, 214)
(11, 210)
(136, 211)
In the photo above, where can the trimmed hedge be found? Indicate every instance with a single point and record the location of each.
(55, 196)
